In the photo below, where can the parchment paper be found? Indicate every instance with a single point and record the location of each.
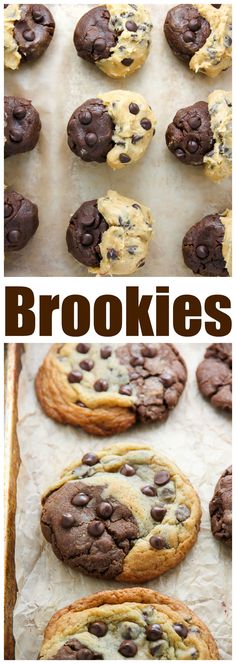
(59, 182)
(196, 437)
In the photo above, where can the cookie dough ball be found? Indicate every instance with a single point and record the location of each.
(220, 508)
(21, 125)
(110, 235)
(106, 389)
(116, 127)
(214, 375)
(218, 162)
(114, 37)
(201, 35)
(28, 30)
(207, 246)
(20, 220)
(124, 513)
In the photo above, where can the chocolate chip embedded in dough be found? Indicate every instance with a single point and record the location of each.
(67, 521)
(95, 143)
(149, 490)
(13, 236)
(157, 542)
(87, 365)
(101, 385)
(112, 254)
(134, 108)
(73, 649)
(202, 251)
(83, 348)
(8, 209)
(90, 459)
(105, 352)
(127, 62)
(124, 158)
(162, 477)
(104, 510)
(158, 513)
(21, 126)
(86, 221)
(75, 377)
(149, 351)
(154, 632)
(128, 649)
(187, 138)
(146, 124)
(16, 135)
(131, 26)
(126, 390)
(127, 470)
(98, 628)
(96, 528)
(80, 499)
(181, 630)
(19, 112)
(33, 31)
(195, 122)
(182, 513)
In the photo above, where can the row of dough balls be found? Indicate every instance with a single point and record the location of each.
(117, 38)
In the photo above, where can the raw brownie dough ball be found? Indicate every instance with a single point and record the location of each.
(110, 235)
(201, 35)
(126, 514)
(21, 126)
(202, 134)
(116, 127)
(207, 246)
(220, 508)
(28, 30)
(214, 375)
(114, 37)
(20, 220)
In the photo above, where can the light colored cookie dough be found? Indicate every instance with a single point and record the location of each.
(226, 220)
(128, 235)
(130, 137)
(132, 45)
(218, 163)
(216, 54)
(12, 56)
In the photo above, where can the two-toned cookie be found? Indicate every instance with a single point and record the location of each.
(214, 375)
(28, 30)
(22, 126)
(207, 245)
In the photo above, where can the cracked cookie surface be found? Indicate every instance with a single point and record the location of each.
(28, 30)
(214, 375)
(207, 245)
(124, 513)
(220, 508)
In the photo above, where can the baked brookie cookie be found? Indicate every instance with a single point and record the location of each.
(201, 35)
(202, 134)
(28, 30)
(116, 127)
(21, 126)
(114, 37)
(214, 375)
(131, 622)
(124, 513)
(20, 220)
(110, 235)
(220, 508)
(106, 389)
(207, 246)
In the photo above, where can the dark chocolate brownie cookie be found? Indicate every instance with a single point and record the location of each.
(189, 137)
(85, 232)
(20, 220)
(106, 389)
(186, 30)
(29, 30)
(124, 513)
(207, 246)
(214, 375)
(21, 125)
(90, 131)
(221, 508)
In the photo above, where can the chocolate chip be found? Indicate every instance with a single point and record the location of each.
(91, 138)
(192, 146)
(158, 513)
(182, 513)
(149, 490)
(195, 24)
(90, 459)
(37, 15)
(83, 348)
(80, 499)
(131, 26)
(202, 251)
(104, 510)
(136, 138)
(125, 389)
(162, 477)
(180, 153)
(134, 108)
(188, 36)
(13, 236)
(167, 378)
(29, 35)
(154, 632)
(86, 239)
(136, 206)
(67, 521)
(75, 377)
(19, 112)
(16, 135)
(149, 351)
(8, 209)
(141, 263)
(105, 352)
(101, 385)
(85, 117)
(99, 44)
(128, 649)
(157, 542)
(87, 365)
(181, 630)
(112, 254)
(159, 649)
(127, 62)
(96, 528)
(124, 158)
(127, 470)
(146, 124)
(81, 404)
(98, 628)
(137, 361)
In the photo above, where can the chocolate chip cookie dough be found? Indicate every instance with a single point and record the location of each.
(20, 221)
(116, 127)
(124, 513)
(214, 376)
(28, 30)
(201, 35)
(220, 508)
(105, 389)
(21, 126)
(114, 37)
(130, 622)
(207, 246)
(201, 134)
(110, 235)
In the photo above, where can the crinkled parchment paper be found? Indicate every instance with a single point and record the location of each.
(58, 181)
(196, 437)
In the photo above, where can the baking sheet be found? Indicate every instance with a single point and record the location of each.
(59, 182)
(196, 437)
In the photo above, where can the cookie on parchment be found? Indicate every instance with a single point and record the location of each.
(220, 508)
(28, 30)
(214, 375)
(124, 513)
(135, 623)
(105, 389)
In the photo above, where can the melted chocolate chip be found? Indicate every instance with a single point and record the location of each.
(67, 521)
(134, 108)
(128, 649)
(101, 385)
(181, 630)
(98, 628)
(90, 459)
(75, 377)
(105, 352)
(127, 470)
(157, 542)
(182, 513)
(162, 477)
(80, 499)
(137, 361)
(96, 528)
(87, 365)
(154, 632)
(149, 490)
(126, 390)
(104, 510)
(158, 513)
(149, 351)
(146, 124)
(83, 348)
